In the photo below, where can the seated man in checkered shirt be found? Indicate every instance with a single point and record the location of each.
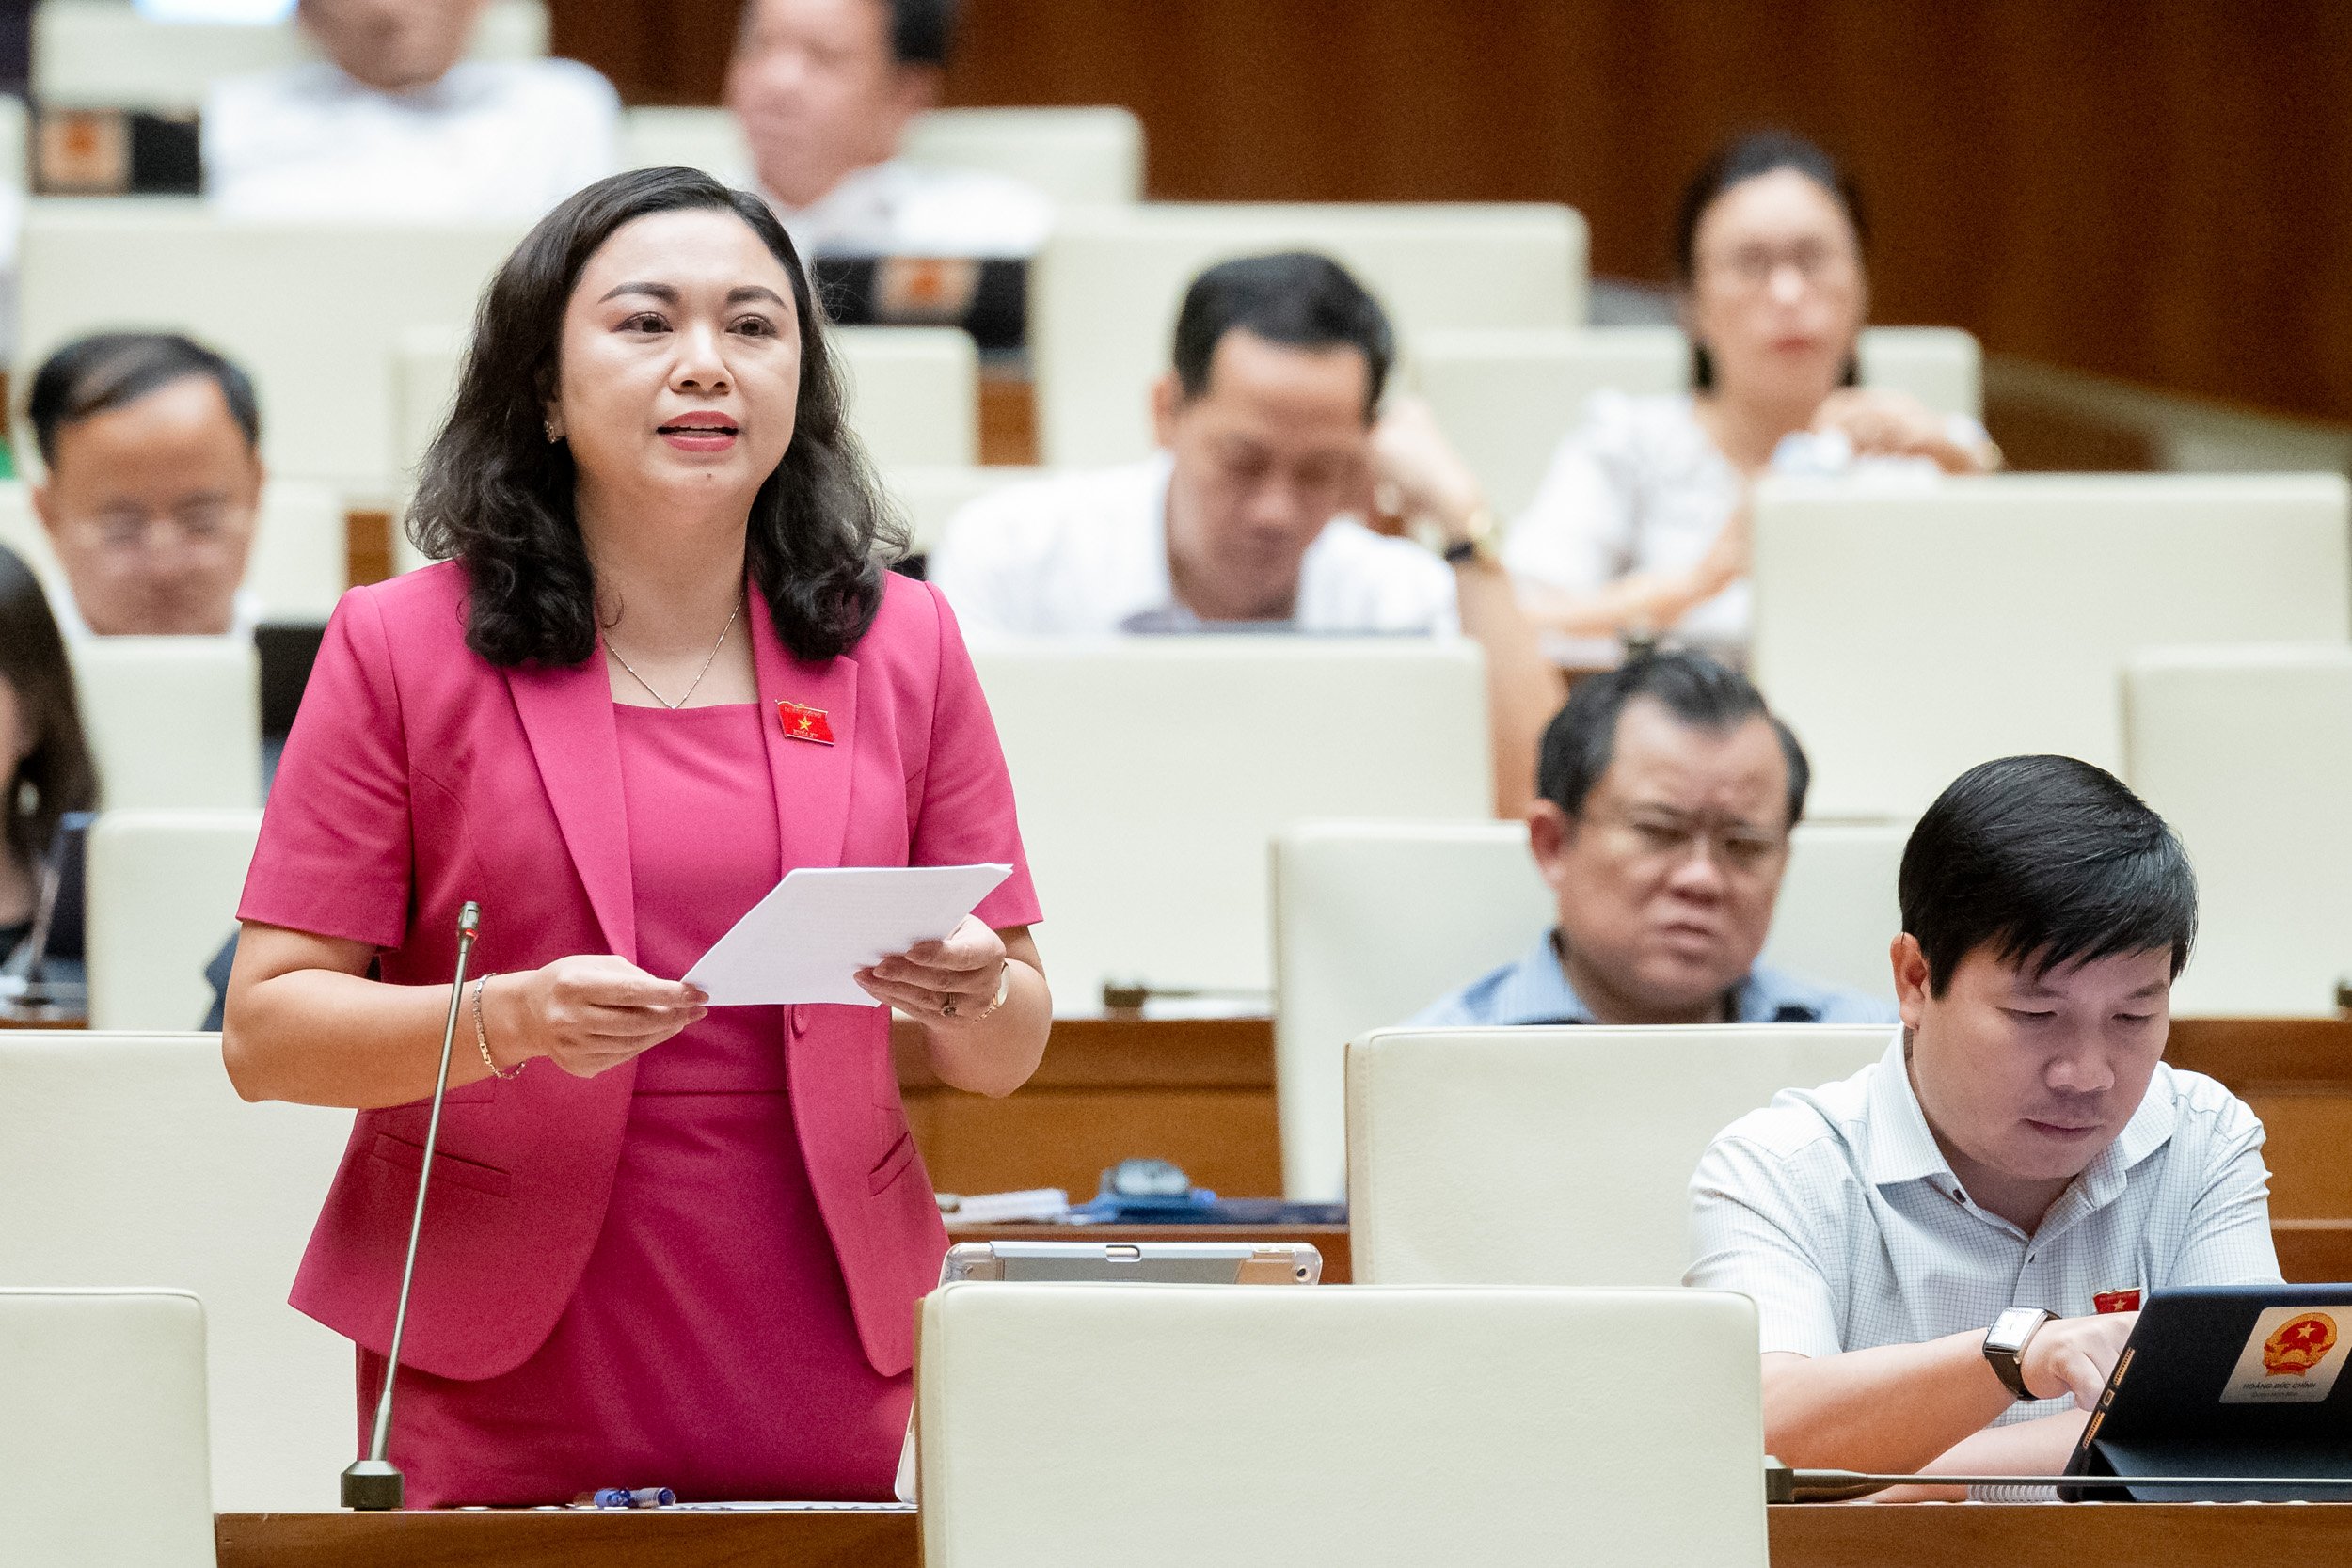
(2020, 1145)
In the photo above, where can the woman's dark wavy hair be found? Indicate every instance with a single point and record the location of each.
(1737, 162)
(496, 493)
(56, 775)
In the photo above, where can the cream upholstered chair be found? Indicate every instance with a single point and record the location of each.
(1165, 1424)
(162, 897)
(1104, 292)
(2245, 752)
(102, 54)
(173, 721)
(928, 494)
(298, 568)
(1910, 632)
(1078, 156)
(104, 1439)
(1086, 155)
(258, 292)
(914, 391)
(1555, 1156)
(1506, 396)
(1155, 773)
(1374, 921)
(128, 1160)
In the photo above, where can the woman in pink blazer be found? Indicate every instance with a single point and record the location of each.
(669, 1244)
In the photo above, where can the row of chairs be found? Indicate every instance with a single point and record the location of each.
(1532, 1158)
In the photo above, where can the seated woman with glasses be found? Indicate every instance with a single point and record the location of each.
(152, 447)
(1641, 525)
(1667, 794)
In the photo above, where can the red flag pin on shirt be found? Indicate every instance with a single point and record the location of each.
(2116, 1301)
(803, 722)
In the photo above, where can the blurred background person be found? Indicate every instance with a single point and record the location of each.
(50, 770)
(825, 90)
(1273, 447)
(1667, 795)
(150, 443)
(1641, 525)
(396, 123)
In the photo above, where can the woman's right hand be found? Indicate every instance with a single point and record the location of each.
(586, 1013)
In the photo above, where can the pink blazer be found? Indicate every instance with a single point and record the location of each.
(419, 775)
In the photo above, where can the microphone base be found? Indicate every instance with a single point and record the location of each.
(373, 1486)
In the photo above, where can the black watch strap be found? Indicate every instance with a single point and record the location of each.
(2005, 1345)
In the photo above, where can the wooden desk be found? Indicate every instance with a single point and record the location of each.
(1201, 1092)
(1915, 1535)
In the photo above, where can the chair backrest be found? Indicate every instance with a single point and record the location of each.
(1104, 292)
(2245, 752)
(1189, 1424)
(299, 567)
(1911, 631)
(257, 291)
(172, 722)
(1555, 1156)
(1082, 156)
(102, 54)
(1155, 773)
(1506, 396)
(1374, 921)
(163, 888)
(103, 1441)
(1077, 156)
(931, 494)
(129, 1160)
(914, 391)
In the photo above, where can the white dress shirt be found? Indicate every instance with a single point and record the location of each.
(1639, 486)
(921, 210)
(1087, 553)
(244, 612)
(492, 140)
(1836, 1211)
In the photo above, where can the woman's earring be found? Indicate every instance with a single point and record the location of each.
(553, 435)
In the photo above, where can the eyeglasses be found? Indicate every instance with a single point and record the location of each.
(201, 522)
(1649, 833)
(1818, 264)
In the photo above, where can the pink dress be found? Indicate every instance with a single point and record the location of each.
(710, 1346)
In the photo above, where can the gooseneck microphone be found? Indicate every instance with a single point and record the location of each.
(372, 1482)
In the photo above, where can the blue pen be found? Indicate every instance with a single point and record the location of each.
(643, 1496)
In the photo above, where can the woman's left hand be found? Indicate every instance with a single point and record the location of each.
(953, 979)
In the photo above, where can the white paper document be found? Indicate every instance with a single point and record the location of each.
(821, 925)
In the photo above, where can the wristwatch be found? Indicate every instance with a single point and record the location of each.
(2004, 1344)
(1477, 542)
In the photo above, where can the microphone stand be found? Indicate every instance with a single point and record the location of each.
(1784, 1485)
(372, 1482)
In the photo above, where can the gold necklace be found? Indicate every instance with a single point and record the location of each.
(698, 674)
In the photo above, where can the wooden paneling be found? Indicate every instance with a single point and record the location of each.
(2151, 192)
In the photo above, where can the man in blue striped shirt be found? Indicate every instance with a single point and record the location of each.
(1667, 791)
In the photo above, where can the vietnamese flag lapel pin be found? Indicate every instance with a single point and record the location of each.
(803, 722)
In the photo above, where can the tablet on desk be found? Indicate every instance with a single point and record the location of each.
(1151, 1262)
(2226, 1379)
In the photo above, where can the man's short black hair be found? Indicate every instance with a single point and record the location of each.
(1581, 739)
(1297, 298)
(107, 370)
(922, 32)
(2047, 861)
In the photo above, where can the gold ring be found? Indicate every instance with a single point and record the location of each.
(947, 1009)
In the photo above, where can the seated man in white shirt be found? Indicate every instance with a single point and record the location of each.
(1273, 445)
(1948, 1250)
(152, 447)
(396, 124)
(825, 90)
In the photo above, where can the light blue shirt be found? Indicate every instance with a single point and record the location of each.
(1534, 989)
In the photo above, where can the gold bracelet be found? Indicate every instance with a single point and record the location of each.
(482, 1035)
(1004, 988)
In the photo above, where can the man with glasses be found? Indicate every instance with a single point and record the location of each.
(1666, 793)
(150, 443)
